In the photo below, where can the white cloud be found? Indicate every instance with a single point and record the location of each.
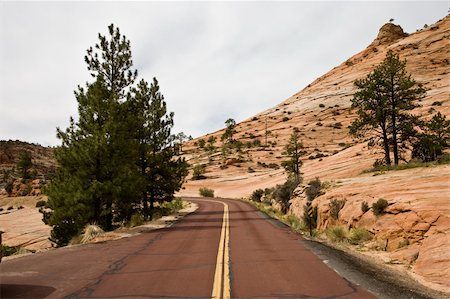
(214, 60)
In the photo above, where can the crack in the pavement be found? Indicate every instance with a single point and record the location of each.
(114, 267)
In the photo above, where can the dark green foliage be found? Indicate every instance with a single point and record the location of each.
(314, 189)
(211, 144)
(41, 203)
(7, 250)
(294, 151)
(119, 155)
(365, 207)
(257, 195)
(434, 139)
(162, 173)
(206, 192)
(9, 188)
(201, 143)
(24, 165)
(321, 105)
(228, 135)
(336, 206)
(198, 172)
(379, 206)
(283, 193)
(382, 101)
(310, 221)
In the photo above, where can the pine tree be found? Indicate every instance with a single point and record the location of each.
(401, 92)
(372, 112)
(164, 174)
(228, 135)
(97, 173)
(433, 140)
(383, 100)
(25, 164)
(294, 150)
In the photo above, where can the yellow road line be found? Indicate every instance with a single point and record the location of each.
(221, 286)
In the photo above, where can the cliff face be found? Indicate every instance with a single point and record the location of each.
(419, 210)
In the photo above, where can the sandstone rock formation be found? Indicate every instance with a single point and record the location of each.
(419, 212)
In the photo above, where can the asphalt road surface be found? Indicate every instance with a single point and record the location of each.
(226, 249)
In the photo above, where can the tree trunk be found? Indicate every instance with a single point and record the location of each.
(394, 139)
(387, 155)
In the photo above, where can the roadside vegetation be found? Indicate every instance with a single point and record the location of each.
(206, 192)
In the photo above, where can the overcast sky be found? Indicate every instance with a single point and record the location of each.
(213, 60)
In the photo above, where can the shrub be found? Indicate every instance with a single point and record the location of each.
(337, 125)
(9, 188)
(314, 189)
(436, 103)
(7, 250)
(321, 105)
(379, 206)
(364, 206)
(10, 208)
(257, 194)
(198, 172)
(173, 206)
(336, 206)
(403, 243)
(336, 234)
(285, 118)
(250, 170)
(41, 203)
(309, 220)
(358, 235)
(283, 193)
(205, 192)
(201, 143)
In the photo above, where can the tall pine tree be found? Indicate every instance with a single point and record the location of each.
(383, 100)
(97, 174)
(162, 172)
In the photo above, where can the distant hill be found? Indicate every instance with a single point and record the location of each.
(43, 160)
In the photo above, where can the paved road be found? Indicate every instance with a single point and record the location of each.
(224, 249)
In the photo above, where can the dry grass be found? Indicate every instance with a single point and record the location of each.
(91, 231)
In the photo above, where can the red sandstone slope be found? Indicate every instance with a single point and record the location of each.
(419, 211)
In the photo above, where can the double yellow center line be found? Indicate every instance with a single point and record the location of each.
(221, 287)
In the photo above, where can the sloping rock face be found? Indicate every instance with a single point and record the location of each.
(417, 217)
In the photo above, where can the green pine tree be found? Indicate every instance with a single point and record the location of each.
(383, 100)
(97, 175)
(294, 151)
(164, 174)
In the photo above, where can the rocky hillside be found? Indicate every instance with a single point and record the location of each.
(415, 231)
(43, 166)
